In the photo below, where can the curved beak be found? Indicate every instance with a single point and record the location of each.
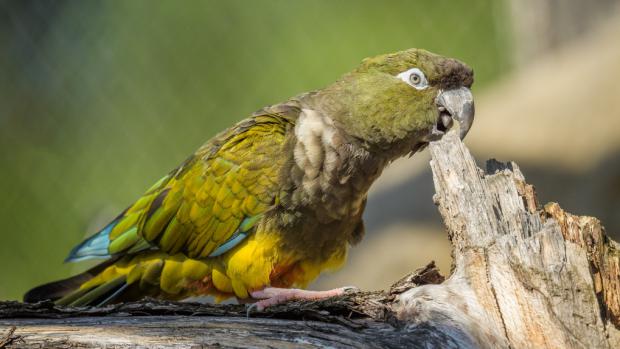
(457, 105)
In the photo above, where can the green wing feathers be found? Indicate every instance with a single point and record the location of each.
(202, 209)
(199, 206)
(217, 192)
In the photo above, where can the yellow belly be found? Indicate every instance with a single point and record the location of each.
(261, 262)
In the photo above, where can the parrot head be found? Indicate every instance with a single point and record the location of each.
(407, 98)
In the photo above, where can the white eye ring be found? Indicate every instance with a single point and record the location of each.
(415, 78)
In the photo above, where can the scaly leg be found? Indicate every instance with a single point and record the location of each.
(271, 296)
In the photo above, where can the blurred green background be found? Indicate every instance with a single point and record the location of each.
(100, 98)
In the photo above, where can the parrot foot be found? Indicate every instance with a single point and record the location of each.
(271, 296)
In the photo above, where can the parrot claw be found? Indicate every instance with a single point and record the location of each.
(350, 289)
(249, 308)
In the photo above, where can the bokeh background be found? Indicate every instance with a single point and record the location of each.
(98, 99)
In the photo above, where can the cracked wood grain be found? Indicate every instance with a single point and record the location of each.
(525, 276)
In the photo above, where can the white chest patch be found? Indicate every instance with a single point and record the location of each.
(325, 159)
(316, 150)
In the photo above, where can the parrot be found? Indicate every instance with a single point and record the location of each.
(262, 208)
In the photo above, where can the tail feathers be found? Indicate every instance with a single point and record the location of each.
(96, 296)
(129, 278)
(60, 289)
(57, 289)
(69, 293)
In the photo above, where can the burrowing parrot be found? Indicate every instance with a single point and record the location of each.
(269, 203)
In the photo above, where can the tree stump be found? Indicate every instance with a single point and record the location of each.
(524, 276)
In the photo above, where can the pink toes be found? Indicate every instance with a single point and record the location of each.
(271, 296)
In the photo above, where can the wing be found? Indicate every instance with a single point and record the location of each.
(208, 204)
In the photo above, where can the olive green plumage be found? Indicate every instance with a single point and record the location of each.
(273, 200)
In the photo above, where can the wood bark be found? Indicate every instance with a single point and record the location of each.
(524, 276)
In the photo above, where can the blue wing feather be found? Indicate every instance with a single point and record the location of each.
(238, 236)
(95, 246)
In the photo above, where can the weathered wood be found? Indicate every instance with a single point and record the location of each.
(523, 277)
(192, 332)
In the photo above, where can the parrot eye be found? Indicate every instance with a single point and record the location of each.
(414, 77)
